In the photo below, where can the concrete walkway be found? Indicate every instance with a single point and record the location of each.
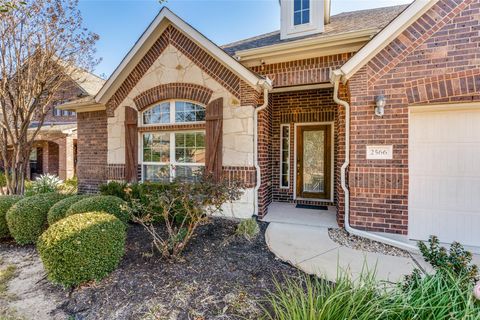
(311, 250)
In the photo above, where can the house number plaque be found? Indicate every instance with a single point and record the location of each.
(379, 152)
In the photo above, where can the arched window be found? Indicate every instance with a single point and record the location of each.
(172, 154)
(174, 112)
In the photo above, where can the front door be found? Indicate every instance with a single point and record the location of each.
(313, 161)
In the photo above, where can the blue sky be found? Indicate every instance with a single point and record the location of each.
(120, 22)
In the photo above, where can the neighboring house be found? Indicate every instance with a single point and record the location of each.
(55, 146)
(263, 110)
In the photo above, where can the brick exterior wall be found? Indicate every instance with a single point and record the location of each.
(265, 158)
(437, 59)
(92, 150)
(187, 91)
(302, 72)
(174, 37)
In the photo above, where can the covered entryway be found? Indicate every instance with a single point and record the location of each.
(444, 170)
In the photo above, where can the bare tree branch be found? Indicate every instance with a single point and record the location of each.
(44, 48)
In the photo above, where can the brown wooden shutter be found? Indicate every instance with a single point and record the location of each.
(214, 135)
(131, 144)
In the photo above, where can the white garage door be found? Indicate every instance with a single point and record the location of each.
(444, 166)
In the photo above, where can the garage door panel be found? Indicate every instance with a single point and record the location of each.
(444, 176)
(446, 224)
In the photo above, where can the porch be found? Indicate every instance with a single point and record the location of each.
(289, 213)
(301, 135)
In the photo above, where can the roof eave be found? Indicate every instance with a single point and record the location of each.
(82, 106)
(307, 44)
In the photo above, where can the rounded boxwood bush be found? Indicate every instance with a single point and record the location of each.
(108, 204)
(82, 247)
(27, 218)
(59, 209)
(6, 202)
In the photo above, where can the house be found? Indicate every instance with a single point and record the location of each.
(374, 113)
(55, 147)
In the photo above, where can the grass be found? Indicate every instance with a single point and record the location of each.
(437, 297)
(248, 229)
(6, 274)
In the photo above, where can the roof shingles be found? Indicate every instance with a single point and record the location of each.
(340, 24)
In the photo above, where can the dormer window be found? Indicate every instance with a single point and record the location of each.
(301, 12)
(302, 17)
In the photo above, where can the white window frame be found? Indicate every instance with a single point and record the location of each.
(172, 114)
(301, 13)
(288, 29)
(281, 155)
(173, 163)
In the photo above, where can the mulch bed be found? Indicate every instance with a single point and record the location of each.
(221, 276)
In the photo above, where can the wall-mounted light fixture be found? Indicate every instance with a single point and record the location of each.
(380, 102)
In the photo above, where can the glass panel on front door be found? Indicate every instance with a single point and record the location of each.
(314, 161)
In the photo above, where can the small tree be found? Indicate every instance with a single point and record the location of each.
(44, 51)
(183, 207)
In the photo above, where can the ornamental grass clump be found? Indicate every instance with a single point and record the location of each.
(27, 218)
(6, 202)
(182, 206)
(82, 247)
(449, 293)
(248, 229)
(108, 204)
(59, 210)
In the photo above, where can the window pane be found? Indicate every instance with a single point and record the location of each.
(306, 16)
(188, 112)
(188, 173)
(190, 147)
(157, 114)
(156, 173)
(156, 147)
(297, 5)
(297, 18)
(305, 4)
(285, 156)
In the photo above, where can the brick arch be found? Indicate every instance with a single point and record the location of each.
(181, 91)
(451, 87)
(174, 37)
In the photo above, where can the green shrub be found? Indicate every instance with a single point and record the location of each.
(114, 188)
(456, 260)
(3, 179)
(82, 247)
(27, 218)
(108, 204)
(6, 202)
(59, 209)
(70, 186)
(183, 207)
(248, 229)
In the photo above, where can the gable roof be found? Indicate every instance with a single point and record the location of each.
(155, 29)
(87, 81)
(347, 22)
(383, 38)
